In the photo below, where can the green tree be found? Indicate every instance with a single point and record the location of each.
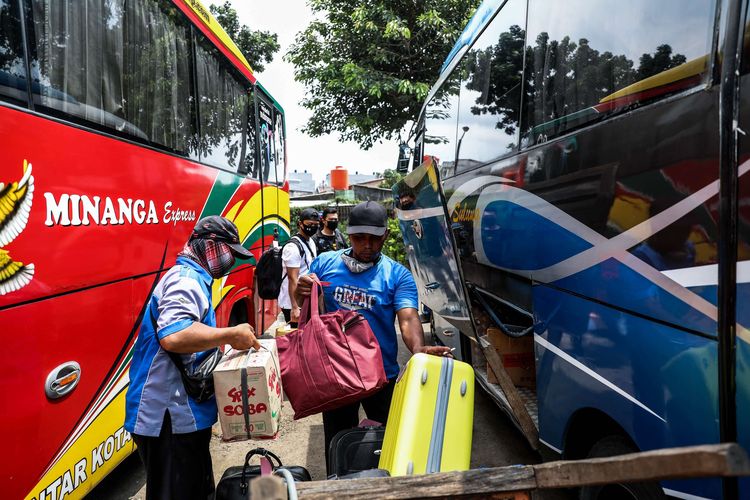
(257, 46)
(368, 66)
(394, 244)
(390, 178)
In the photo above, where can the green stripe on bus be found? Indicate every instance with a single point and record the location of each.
(224, 187)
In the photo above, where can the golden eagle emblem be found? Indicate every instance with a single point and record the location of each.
(15, 206)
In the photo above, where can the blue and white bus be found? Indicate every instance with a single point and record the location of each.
(583, 206)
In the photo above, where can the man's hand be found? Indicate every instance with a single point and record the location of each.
(243, 337)
(295, 313)
(437, 350)
(304, 287)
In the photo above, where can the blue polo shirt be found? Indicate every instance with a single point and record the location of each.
(377, 293)
(182, 297)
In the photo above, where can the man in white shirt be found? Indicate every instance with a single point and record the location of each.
(298, 254)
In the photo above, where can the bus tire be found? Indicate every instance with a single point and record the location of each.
(610, 446)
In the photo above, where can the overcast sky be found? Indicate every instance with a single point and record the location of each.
(320, 154)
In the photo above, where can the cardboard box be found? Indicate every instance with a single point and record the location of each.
(260, 417)
(517, 356)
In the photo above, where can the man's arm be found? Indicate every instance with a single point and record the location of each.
(293, 274)
(199, 337)
(413, 334)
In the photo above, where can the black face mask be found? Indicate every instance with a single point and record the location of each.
(332, 224)
(309, 230)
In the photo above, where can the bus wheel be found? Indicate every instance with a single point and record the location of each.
(618, 445)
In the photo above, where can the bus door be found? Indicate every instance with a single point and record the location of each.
(419, 203)
(742, 342)
(266, 310)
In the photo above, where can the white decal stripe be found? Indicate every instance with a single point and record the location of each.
(466, 189)
(602, 248)
(706, 275)
(695, 276)
(567, 357)
(679, 494)
(545, 443)
(613, 248)
(420, 213)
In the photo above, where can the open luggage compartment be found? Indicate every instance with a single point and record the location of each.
(504, 364)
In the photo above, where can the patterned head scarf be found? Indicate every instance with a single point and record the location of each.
(214, 256)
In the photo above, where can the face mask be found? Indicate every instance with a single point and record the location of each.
(356, 266)
(309, 230)
(220, 258)
(214, 256)
(332, 224)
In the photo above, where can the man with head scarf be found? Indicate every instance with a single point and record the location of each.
(173, 430)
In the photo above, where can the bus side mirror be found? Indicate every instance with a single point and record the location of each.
(404, 153)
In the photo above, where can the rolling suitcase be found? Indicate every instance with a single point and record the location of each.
(355, 450)
(430, 421)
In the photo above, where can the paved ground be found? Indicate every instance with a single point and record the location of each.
(496, 442)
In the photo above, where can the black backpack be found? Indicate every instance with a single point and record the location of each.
(270, 268)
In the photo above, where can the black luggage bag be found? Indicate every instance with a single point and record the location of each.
(355, 450)
(235, 482)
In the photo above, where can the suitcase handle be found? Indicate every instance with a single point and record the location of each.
(250, 454)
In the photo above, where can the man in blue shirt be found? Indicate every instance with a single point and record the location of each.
(171, 429)
(364, 280)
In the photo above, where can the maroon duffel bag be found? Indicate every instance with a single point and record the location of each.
(332, 360)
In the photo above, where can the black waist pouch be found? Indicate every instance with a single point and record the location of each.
(199, 382)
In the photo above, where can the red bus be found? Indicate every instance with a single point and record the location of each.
(122, 123)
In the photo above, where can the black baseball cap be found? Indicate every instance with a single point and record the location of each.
(308, 214)
(217, 228)
(368, 217)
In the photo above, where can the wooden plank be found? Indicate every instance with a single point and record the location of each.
(476, 483)
(671, 463)
(517, 406)
(511, 483)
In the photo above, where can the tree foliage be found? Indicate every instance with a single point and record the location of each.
(561, 77)
(257, 46)
(368, 66)
(394, 244)
(390, 178)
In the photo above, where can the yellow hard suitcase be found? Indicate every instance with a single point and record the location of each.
(430, 421)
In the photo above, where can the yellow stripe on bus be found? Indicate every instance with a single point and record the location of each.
(686, 70)
(102, 446)
(212, 24)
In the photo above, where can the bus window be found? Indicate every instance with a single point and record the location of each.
(279, 144)
(606, 59)
(441, 118)
(251, 147)
(222, 104)
(265, 139)
(491, 90)
(128, 75)
(12, 66)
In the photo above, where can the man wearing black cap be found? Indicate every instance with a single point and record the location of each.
(380, 289)
(297, 256)
(171, 429)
